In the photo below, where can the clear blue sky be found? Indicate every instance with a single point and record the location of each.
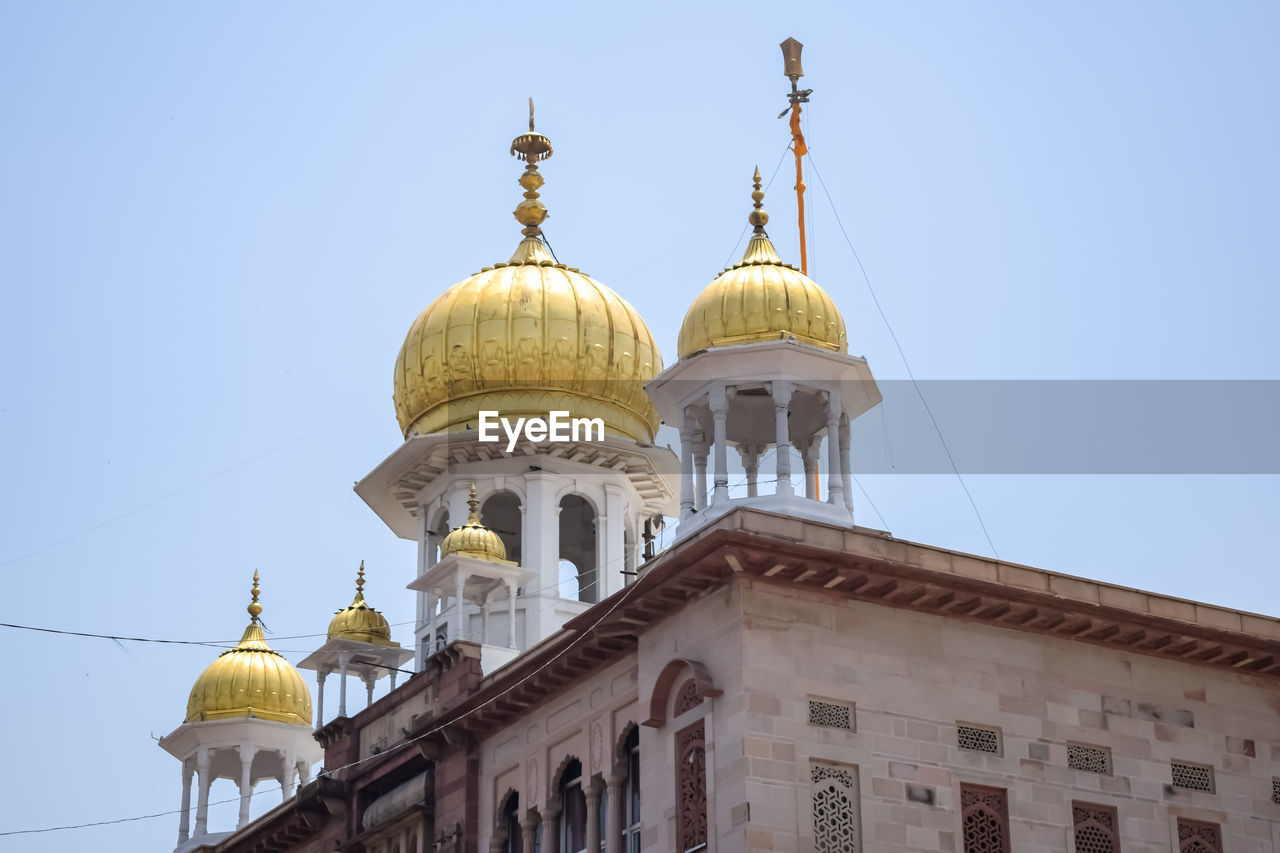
(218, 221)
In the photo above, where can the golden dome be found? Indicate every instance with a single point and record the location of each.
(527, 337)
(473, 539)
(359, 621)
(250, 680)
(761, 299)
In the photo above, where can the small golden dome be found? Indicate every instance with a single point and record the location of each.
(250, 680)
(473, 539)
(359, 621)
(761, 299)
(525, 338)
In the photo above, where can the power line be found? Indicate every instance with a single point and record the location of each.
(903, 356)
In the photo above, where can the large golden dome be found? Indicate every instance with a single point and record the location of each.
(527, 337)
(761, 299)
(250, 680)
(359, 621)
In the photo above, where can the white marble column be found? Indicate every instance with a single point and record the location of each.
(750, 455)
(835, 482)
(511, 614)
(484, 620)
(321, 675)
(369, 681)
(686, 466)
(246, 785)
(184, 820)
(304, 773)
(781, 392)
(808, 458)
(343, 659)
(202, 797)
(846, 471)
(700, 476)
(719, 401)
(289, 771)
(460, 581)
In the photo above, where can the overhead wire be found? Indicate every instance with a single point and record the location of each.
(902, 355)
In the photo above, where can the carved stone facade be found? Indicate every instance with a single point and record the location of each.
(687, 698)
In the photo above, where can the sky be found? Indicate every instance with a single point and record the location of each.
(218, 221)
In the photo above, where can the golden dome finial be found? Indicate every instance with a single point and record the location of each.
(532, 148)
(360, 582)
(473, 539)
(254, 608)
(759, 218)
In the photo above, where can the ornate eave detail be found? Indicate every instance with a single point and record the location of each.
(873, 567)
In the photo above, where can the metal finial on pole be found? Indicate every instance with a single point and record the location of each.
(792, 70)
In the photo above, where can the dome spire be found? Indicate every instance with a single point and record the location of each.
(360, 583)
(254, 608)
(759, 249)
(759, 218)
(532, 148)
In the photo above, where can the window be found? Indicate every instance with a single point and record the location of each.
(834, 715)
(1094, 759)
(691, 788)
(1197, 837)
(1096, 828)
(511, 823)
(836, 825)
(1275, 789)
(573, 813)
(985, 818)
(1194, 777)
(978, 738)
(631, 795)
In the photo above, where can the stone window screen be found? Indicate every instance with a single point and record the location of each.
(1275, 789)
(978, 738)
(1094, 759)
(1097, 829)
(1193, 777)
(1197, 837)
(832, 715)
(984, 814)
(691, 788)
(687, 698)
(836, 822)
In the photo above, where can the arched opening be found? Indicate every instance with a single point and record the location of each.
(573, 809)
(508, 831)
(630, 800)
(500, 512)
(578, 547)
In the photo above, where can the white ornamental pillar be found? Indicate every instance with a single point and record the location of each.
(686, 466)
(846, 471)
(184, 821)
(304, 773)
(614, 560)
(202, 797)
(289, 772)
(808, 458)
(370, 679)
(321, 675)
(700, 474)
(751, 467)
(246, 786)
(719, 401)
(343, 658)
(835, 480)
(781, 391)
(593, 793)
(511, 614)
(460, 581)
(613, 813)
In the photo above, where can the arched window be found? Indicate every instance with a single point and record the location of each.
(510, 822)
(631, 793)
(501, 514)
(578, 546)
(573, 810)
